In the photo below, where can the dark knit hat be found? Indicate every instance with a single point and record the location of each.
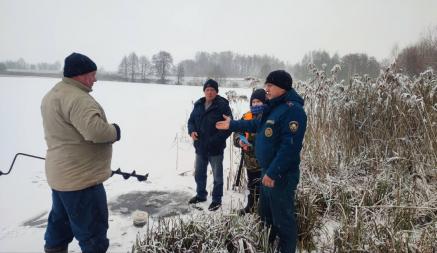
(280, 78)
(78, 64)
(210, 83)
(258, 94)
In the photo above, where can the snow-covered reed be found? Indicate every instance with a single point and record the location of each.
(205, 232)
(368, 181)
(369, 169)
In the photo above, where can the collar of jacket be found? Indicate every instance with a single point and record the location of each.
(217, 100)
(290, 95)
(276, 101)
(77, 84)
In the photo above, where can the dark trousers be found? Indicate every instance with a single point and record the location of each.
(276, 209)
(81, 214)
(201, 166)
(253, 185)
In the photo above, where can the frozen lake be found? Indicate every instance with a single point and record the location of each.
(154, 140)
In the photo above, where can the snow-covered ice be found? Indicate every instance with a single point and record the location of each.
(152, 118)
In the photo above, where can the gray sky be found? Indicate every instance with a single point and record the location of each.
(106, 30)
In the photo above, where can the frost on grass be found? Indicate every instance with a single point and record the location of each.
(369, 170)
(204, 232)
(368, 174)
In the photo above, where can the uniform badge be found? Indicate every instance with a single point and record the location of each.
(268, 132)
(293, 125)
(271, 122)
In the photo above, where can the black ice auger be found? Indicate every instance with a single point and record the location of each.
(125, 175)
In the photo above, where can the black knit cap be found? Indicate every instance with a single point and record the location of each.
(210, 83)
(280, 78)
(258, 94)
(78, 64)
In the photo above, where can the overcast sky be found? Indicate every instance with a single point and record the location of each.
(106, 30)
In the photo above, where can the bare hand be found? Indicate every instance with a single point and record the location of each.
(194, 136)
(243, 145)
(268, 182)
(223, 125)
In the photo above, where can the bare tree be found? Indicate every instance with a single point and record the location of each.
(133, 66)
(21, 63)
(145, 66)
(217, 73)
(265, 70)
(358, 64)
(123, 68)
(394, 52)
(180, 72)
(420, 56)
(162, 63)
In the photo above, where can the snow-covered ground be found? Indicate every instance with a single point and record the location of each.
(154, 140)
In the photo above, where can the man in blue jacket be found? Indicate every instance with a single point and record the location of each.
(209, 142)
(280, 134)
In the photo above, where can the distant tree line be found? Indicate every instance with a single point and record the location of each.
(420, 56)
(140, 68)
(21, 64)
(350, 64)
(229, 64)
(216, 65)
(411, 60)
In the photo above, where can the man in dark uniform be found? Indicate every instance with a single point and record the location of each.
(209, 142)
(280, 134)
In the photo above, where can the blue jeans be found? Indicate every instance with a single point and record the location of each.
(82, 214)
(201, 165)
(276, 209)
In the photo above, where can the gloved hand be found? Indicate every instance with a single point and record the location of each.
(117, 129)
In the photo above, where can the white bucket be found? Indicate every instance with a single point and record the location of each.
(140, 218)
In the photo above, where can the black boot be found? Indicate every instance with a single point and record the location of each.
(250, 206)
(253, 185)
(195, 200)
(272, 236)
(214, 206)
(60, 249)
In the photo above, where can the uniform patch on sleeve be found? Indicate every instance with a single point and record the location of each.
(294, 126)
(268, 132)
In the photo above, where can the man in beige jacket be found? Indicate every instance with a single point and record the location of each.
(79, 150)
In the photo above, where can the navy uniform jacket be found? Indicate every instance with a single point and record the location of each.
(211, 141)
(279, 133)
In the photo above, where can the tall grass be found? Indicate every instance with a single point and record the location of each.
(215, 232)
(369, 174)
(370, 162)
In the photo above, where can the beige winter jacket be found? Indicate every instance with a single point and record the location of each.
(79, 138)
